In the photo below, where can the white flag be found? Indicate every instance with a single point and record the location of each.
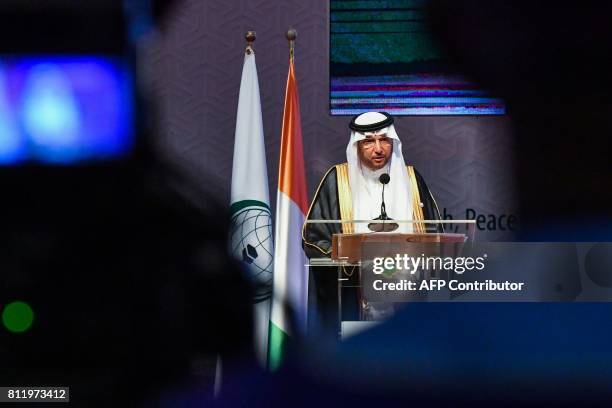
(251, 230)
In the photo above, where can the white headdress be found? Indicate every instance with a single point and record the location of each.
(366, 190)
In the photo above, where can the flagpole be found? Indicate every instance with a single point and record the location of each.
(261, 310)
(251, 234)
(289, 306)
(291, 36)
(250, 37)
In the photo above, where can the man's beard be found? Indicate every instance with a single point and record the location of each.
(374, 166)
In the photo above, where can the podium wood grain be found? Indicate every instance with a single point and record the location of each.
(348, 246)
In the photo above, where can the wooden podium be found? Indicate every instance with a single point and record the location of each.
(347, 247)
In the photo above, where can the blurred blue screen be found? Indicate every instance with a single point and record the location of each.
(65, 109)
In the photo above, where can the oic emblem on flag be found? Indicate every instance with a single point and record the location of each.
(251, 243)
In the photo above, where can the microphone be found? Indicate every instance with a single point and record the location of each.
(384, 179)
(382, 227)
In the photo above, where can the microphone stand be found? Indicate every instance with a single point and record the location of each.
(383, 227)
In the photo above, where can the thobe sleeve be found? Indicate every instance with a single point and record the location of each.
(316, 238)
(430, 207)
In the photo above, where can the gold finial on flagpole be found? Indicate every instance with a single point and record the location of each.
(291, 36)
(250, 37)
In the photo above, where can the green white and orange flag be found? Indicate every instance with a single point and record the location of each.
(290, 286)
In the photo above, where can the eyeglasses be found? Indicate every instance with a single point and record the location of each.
(369, 143)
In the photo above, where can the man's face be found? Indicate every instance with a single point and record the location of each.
(375, 151)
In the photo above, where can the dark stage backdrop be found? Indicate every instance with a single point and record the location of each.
(194, 68)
